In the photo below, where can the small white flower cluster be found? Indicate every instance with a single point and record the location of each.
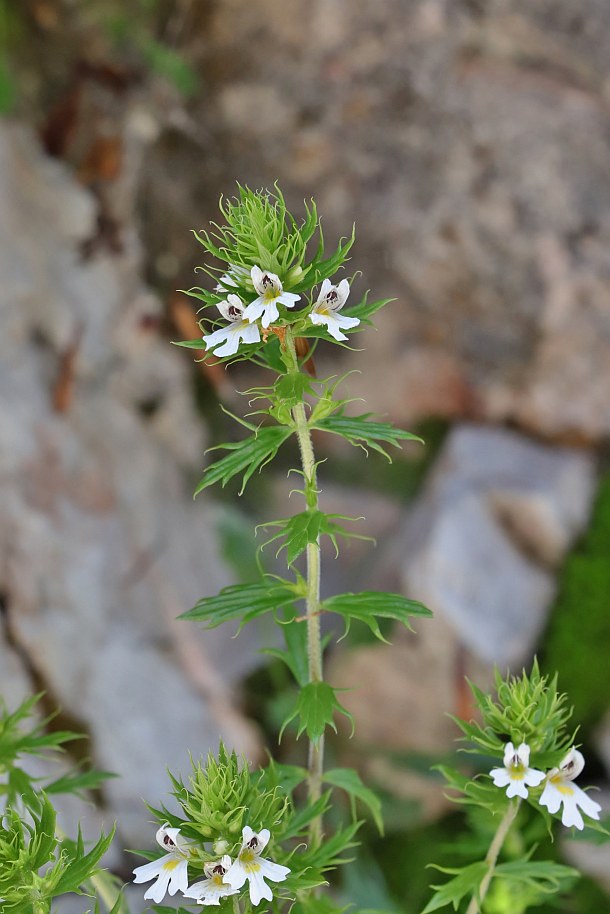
(223, 877)
(268, 286)
(517, 776)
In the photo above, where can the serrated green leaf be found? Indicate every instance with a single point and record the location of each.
(244, 602)
(370, 605)
(466, 882)
(315, 710)
(349, 780)
(363, 432)
(246, 457)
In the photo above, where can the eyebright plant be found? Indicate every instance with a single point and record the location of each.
(525, 729)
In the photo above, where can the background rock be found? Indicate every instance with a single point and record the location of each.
(497, 511)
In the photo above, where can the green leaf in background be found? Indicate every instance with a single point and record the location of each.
(370, 605)
(244, 602)
(78, 781)
(349, 780)
(362, 432)
(315, 710)
(245, 457)
(465, 881)
(543, 875)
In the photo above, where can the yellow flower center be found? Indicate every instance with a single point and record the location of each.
(270, 294)
(558, 782)
(170, 865)
(249, 861)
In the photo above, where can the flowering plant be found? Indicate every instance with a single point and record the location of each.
(241, 839)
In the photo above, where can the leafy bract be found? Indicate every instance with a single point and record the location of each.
(244, 602)
(369, 605)
(315, 710)
(306, 528)
(245, 457)
(363, 432)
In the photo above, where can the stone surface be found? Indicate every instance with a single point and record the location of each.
(497, 511)
(452, 134)
(101, 544)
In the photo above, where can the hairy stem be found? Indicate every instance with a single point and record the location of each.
(492, 856)
(314, 642)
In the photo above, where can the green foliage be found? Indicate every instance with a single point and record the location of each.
(371, 605)
(246, 457)
(580, 620)
(35, 865)
(306, 529)
(362, 432)
(315, 710)
(244, 602)
(349, 780)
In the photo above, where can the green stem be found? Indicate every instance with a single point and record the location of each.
(492, 856)
(314, 641)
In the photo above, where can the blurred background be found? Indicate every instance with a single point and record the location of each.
(470, 143)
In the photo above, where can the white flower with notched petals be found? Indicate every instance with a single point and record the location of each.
(270, 295)
(325, 311)
(170, 871)
(238, 330)
(250, 865)
(516, 775)
(211, 889)
(559, 790)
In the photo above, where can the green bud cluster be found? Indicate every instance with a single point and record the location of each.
(526, 709)
(219, 798)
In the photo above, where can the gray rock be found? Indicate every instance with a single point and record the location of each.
(497, 511)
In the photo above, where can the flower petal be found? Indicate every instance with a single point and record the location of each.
(259, 888)
(179, 878)
(157, 890)
(273, 871)
(500, 777)
(236, 875)
(551, 797)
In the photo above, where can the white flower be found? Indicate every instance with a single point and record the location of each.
(270, 295)
(211, 889)
(239, 330)
(249, 865)
(516, 775)
(330, 300)
(559, 789)
(229, 279)
(170, 871)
